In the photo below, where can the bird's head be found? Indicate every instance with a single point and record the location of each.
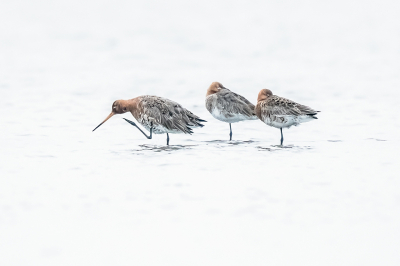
(214, 88)
(264, 94)
(118, 107)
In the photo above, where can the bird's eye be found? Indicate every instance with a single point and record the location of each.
(124, 109)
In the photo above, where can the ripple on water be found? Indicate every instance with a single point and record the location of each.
(158, 148)
(232, 142)
(281, 147)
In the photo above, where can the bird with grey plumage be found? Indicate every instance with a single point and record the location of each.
(281, 113)
(156, 114)
(227, 106)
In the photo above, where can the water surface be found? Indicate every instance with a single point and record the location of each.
(70, 196)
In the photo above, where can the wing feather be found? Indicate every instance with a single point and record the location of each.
(169, 114)
(276, 105)
(234, 103)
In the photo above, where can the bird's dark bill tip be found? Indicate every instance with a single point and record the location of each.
(108, 117)
(97, 127)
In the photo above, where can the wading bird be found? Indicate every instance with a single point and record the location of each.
(228, 106)
(156, 114)
(281, 113)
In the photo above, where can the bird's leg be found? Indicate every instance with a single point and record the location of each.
(133, 124)
(281, 137)
(167, 139)
(230, 134)
(151, 131)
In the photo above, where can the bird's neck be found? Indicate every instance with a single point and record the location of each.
(132, 106)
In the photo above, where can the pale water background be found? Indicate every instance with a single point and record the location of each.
(70, 196)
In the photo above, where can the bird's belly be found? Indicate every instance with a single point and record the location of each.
(162, 130)
(157, 128)
(228, 117)
(286, 121)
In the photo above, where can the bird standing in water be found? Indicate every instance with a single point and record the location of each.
(281, 113)
(228, 106)
(156, 114)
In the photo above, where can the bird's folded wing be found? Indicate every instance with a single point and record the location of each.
(166, 113)
(235, 104)
(276, 105)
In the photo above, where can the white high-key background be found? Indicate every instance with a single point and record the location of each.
(70, 196)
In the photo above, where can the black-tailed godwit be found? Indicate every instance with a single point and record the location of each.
(228, 106)
(281, 113)
(156, 114)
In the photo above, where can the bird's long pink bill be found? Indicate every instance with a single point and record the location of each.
(108, 117)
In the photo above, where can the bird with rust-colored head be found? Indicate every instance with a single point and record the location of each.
(281, 113)
(227, 106)
(156, 114)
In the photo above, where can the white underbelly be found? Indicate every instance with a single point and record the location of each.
(157, 128)
(286, 121)
(229, 117)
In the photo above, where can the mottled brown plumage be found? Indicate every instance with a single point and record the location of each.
(157, 114)
(228, 106)
(280, 112)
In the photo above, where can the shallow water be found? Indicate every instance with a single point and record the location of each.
(70, 196)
